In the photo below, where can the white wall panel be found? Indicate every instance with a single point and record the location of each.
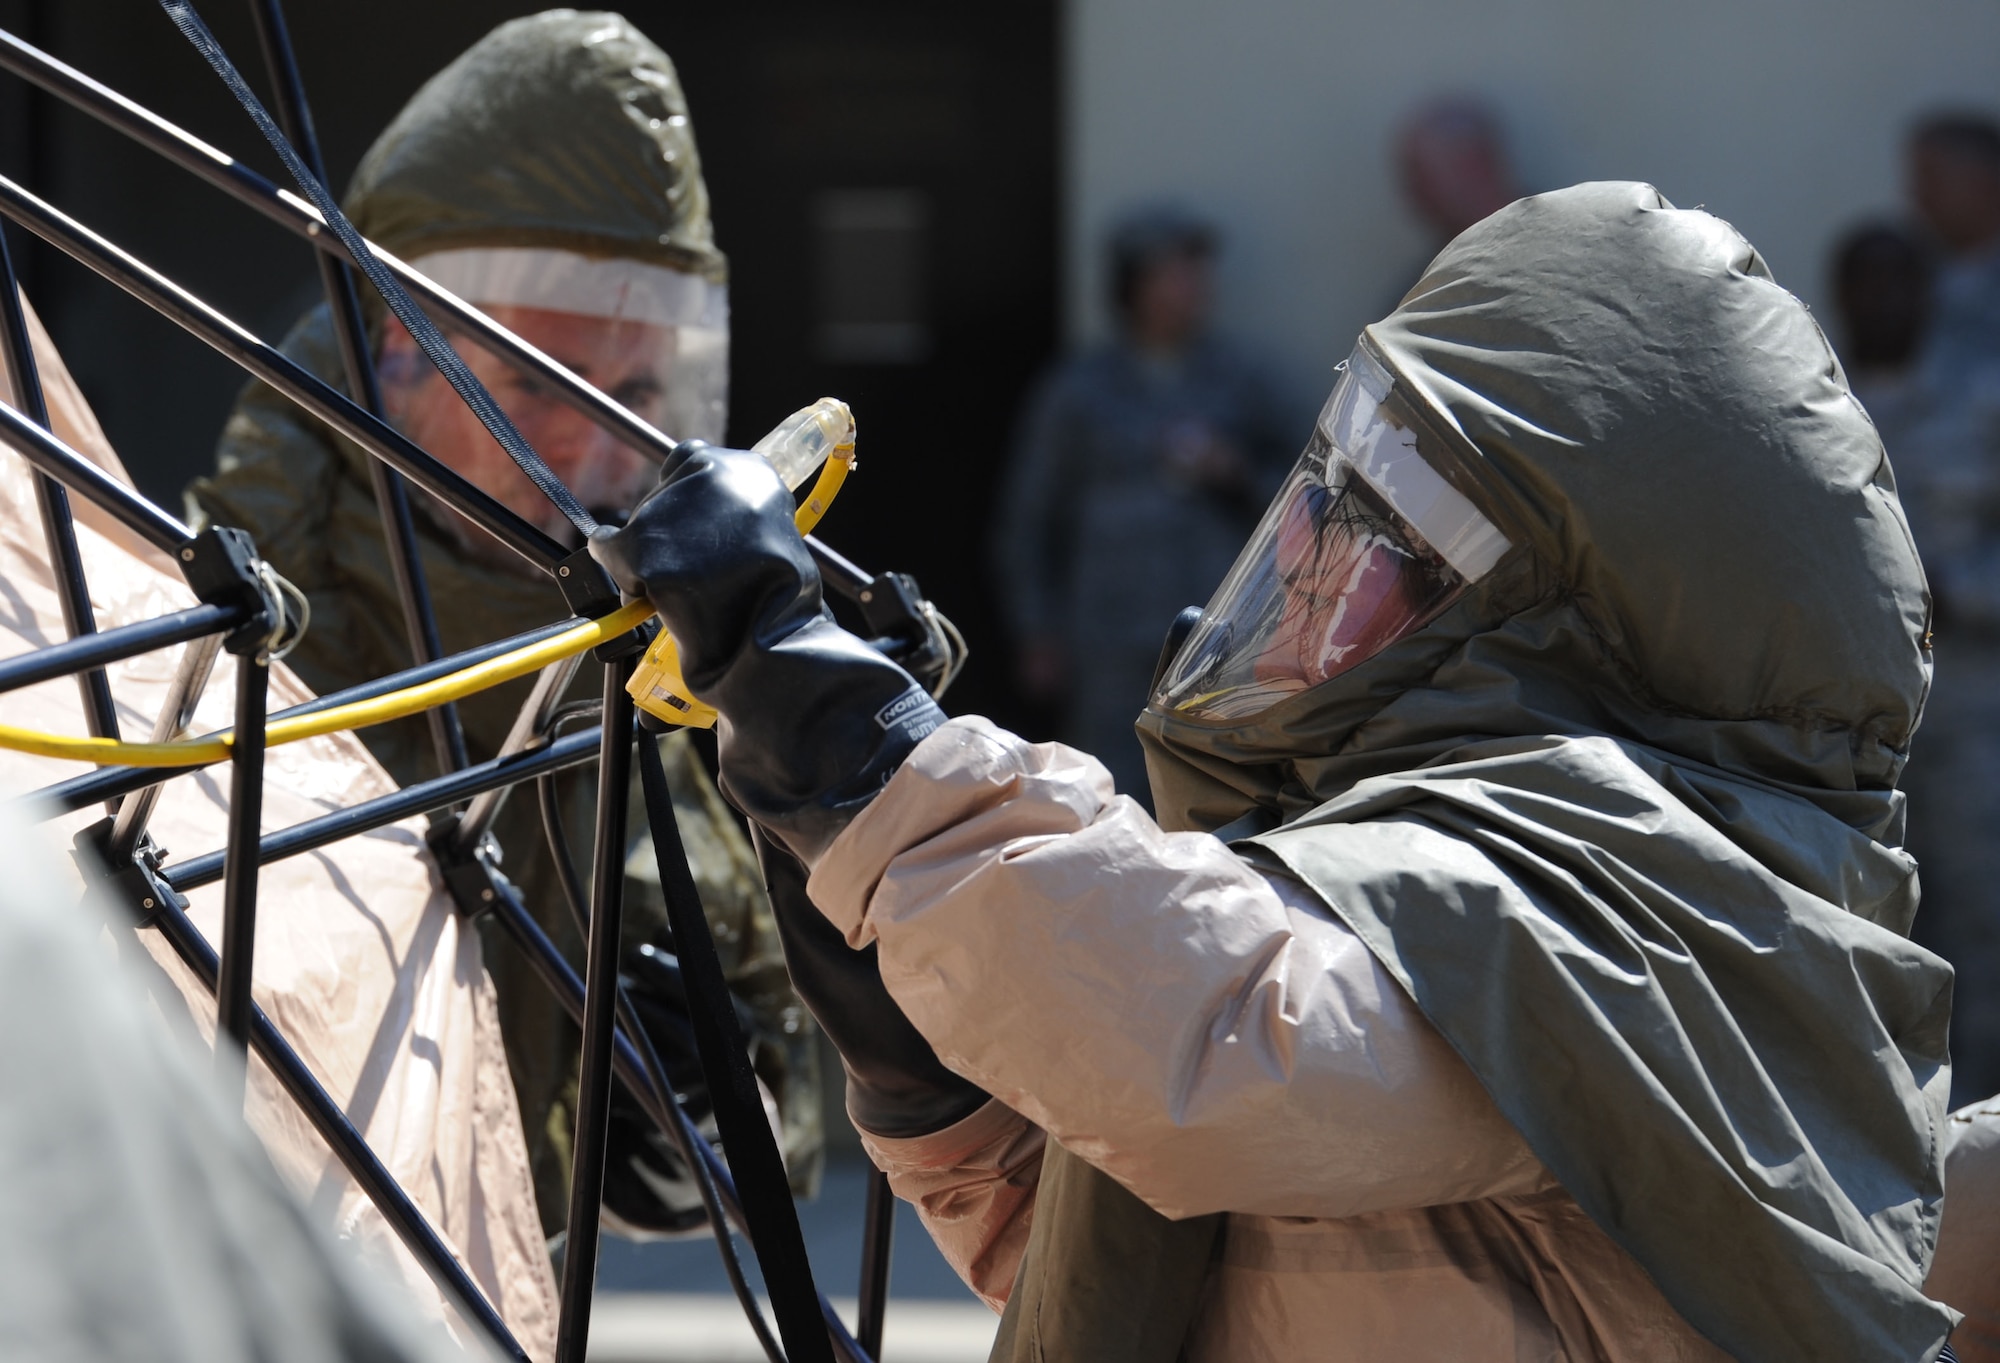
(1275, 116)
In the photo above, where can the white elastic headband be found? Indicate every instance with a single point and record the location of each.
(1386, 456)
(592, 286)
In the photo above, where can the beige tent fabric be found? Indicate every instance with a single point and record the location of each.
(1966, 1272)
(76, 426)
(361, 961)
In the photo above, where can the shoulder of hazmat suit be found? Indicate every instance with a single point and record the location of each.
(1555, 999)
(564, 131)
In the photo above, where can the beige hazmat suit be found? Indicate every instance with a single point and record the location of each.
(566, 131)
(1552, 998)
(1265, 1064)
(1966, 1273)
(362, 962)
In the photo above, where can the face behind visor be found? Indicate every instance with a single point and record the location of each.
(654, 339)
(1365, 543)
(690, 394)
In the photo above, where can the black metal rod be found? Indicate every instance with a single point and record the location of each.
(128, 824)
(878, 1231)
(49, 455)
(561, 978)
(292, 212)
(838, 572)
(600, 1000)
(732, 1084)
(100, 715)
(353, 1152)
(110, 645)
(530, 727)
(437, 793)
(239, 877)
(630, 1030)
(282, 373)
(78, 792)
(399, 529)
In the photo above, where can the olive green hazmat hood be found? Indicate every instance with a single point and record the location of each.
(566, 130)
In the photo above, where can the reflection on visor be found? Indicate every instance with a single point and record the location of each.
(1340, 567)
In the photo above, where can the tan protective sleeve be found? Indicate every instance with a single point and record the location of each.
(973, 1184)
(1153, 1003)
(1966, 1271)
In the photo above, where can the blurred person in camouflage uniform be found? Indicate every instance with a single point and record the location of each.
(550, 176)
(1139, 466)
(1922, 349)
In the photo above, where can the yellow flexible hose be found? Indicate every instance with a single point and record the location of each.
(358, 714)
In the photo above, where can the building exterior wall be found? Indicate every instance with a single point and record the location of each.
(1275, 116)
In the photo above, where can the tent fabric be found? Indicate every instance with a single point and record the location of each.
(1623, 820)
(144, 1221)
(361, 961)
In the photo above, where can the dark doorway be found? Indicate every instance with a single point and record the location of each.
(884, 181)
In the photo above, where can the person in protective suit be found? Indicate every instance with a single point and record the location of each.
(1518, 968)
(550, 176)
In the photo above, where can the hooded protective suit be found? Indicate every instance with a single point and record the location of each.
(562, 131)
(1621, 823)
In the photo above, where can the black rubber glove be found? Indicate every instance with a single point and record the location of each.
(896, 1085)
(814, 722)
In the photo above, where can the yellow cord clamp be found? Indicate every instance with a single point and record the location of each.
(817, 437)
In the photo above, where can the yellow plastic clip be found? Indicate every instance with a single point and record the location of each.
(821, 436)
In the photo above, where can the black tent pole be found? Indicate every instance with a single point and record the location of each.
(281, 372)
(239, 884)
(58, 527)
(600, 997)
(337, 281)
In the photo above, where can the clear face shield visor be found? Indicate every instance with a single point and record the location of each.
(1365, 543)
(680, 322)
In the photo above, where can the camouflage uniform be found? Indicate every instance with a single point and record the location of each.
(1100, 544)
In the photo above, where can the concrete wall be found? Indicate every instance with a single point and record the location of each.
(1784, 116)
